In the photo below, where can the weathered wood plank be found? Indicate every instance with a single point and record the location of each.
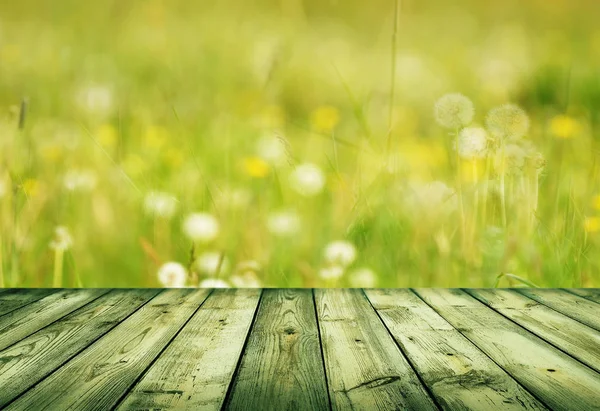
(573, 306)
(33, 358)
(365, 369)
(196, 369)
(551, 375)
(592, 294)
(99, 376)
(573, 337)
(282, 367)
(20, 323)
(15, 298)
(457, 373)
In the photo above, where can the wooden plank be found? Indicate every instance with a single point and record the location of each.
(196, 369)
(592, 294)
(99, 376)
(282, 367)
(33, 358)
(365, 369)
(20, 323)
(457, 373)
(15, 298)
(573, 337)
(551, 375)
(578, 308)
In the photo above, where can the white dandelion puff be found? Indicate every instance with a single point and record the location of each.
(62, 240)
(246, 275)
(507, 122)
(159, 204)
(96, 99)
(333, 272)
(307, 179)
(212, 263)
(434, 198)
(272, 149)
(511, 161)
(172, 275)
(340, 253)
(283, 223)
(472, 143)
(454, 111)
(363, 278)
(80, 180)
(201, 227)
(213, 283)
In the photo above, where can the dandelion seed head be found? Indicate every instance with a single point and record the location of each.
(212, 263)
(454, 111)
(272, 149)
(511, 161)
(340, 253)
(507, 122)
(246, 275)
(80, 180)
(62, 240)
(472, 143)
(332, 272)
(96, 99)
(432, 199)
(283, 223)
(363, 278)
(213, 283)
(172, 275)
(307, 180)
(159, 204)
(201, 227)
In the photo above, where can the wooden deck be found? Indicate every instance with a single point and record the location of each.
(285, 349)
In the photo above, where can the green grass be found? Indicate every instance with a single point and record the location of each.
(127, 98)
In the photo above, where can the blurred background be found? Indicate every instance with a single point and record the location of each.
(294, 143)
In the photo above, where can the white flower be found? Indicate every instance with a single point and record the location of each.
(472, 143)
(511, 161)
(248, 280)
(333, 272)
(272, 149)
(507, 122)
(96, 99)
(172, 275)
(201, 227)
(307, 179)
(62, 240)
(363, 278)
(434, 198)
(212, 263)
(340, 252)
(83, 180)
(454, 111)
(283, 223)
(213, 283)
(159, 204)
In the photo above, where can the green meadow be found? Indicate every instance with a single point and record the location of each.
(299, 143)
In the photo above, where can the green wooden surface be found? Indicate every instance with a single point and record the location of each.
(286, 349)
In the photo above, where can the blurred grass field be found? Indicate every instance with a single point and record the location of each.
(294, 143)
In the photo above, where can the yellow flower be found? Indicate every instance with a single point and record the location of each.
(325, 118)
(106, 135)
(51, 153)
(256, 167)
(173, 157)
(592, 224)
(155, 137)
(596, 202)
(472, 170)
(563, 126)
(31, 187)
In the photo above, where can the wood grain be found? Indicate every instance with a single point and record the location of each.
(592, 294)
(14, 298)
(98, 377)
(365, 369)
(282, 367)
(26, 320)
(578, 308)
(196, 369)
(458, 374)
(33, 358)
(561, 381)
(573, 337)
